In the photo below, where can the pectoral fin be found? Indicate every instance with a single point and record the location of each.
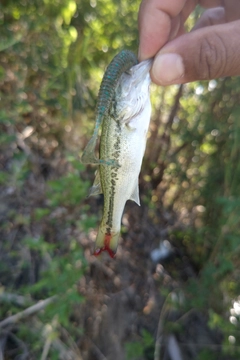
(88, 156)
(135, 195)
(96, 189)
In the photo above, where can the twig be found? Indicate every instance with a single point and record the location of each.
(65, 353)
(46, 348)
(27, 312)
(158, 341)
(173, 348)
(174, 108)
(71, 342)
(97, 351)
(185, 315)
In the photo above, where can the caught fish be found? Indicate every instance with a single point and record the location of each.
(125, 120)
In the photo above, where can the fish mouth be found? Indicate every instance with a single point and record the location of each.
(111, 253)
(142, 68)
(106, 242)
(138, 74)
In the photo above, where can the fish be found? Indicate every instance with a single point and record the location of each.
(122, 146)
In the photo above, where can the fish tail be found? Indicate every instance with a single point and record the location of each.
(106, 242)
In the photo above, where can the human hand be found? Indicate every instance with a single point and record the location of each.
(210, 50)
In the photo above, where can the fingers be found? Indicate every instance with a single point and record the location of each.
(206, 53)
(155, 24)
(211, 17)
(219, 15)
(212, 3)
(177, 23)
(160, 20)
(232, 9)
(210, 51)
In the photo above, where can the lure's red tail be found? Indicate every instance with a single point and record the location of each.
(106, 242)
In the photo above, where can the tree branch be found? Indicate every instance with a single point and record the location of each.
(40, 305)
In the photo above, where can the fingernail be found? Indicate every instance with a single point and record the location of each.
(167, 69)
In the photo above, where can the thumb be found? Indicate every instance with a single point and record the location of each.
(203, 54)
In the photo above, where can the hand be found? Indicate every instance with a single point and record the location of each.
(210, 50)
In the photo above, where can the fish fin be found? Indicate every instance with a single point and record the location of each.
(135, 195)
(88, 156)
(106, 242)
(96, 189)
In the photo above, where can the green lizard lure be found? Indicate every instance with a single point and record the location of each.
(122, 62)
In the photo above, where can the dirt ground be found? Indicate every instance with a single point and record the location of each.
(125, 297)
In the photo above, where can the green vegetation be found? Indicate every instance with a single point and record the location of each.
(52, 57)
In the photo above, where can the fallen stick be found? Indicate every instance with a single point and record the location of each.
(40, 305)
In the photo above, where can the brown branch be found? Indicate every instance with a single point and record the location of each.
(174, 108)
(159, 337)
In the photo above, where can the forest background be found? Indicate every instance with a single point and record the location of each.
(57, 301)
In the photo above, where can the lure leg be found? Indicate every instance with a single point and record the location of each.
(88, 156)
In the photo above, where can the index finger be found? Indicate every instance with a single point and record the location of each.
(155, 24)
(155, 21)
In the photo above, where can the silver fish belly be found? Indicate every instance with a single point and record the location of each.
(123, 139)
